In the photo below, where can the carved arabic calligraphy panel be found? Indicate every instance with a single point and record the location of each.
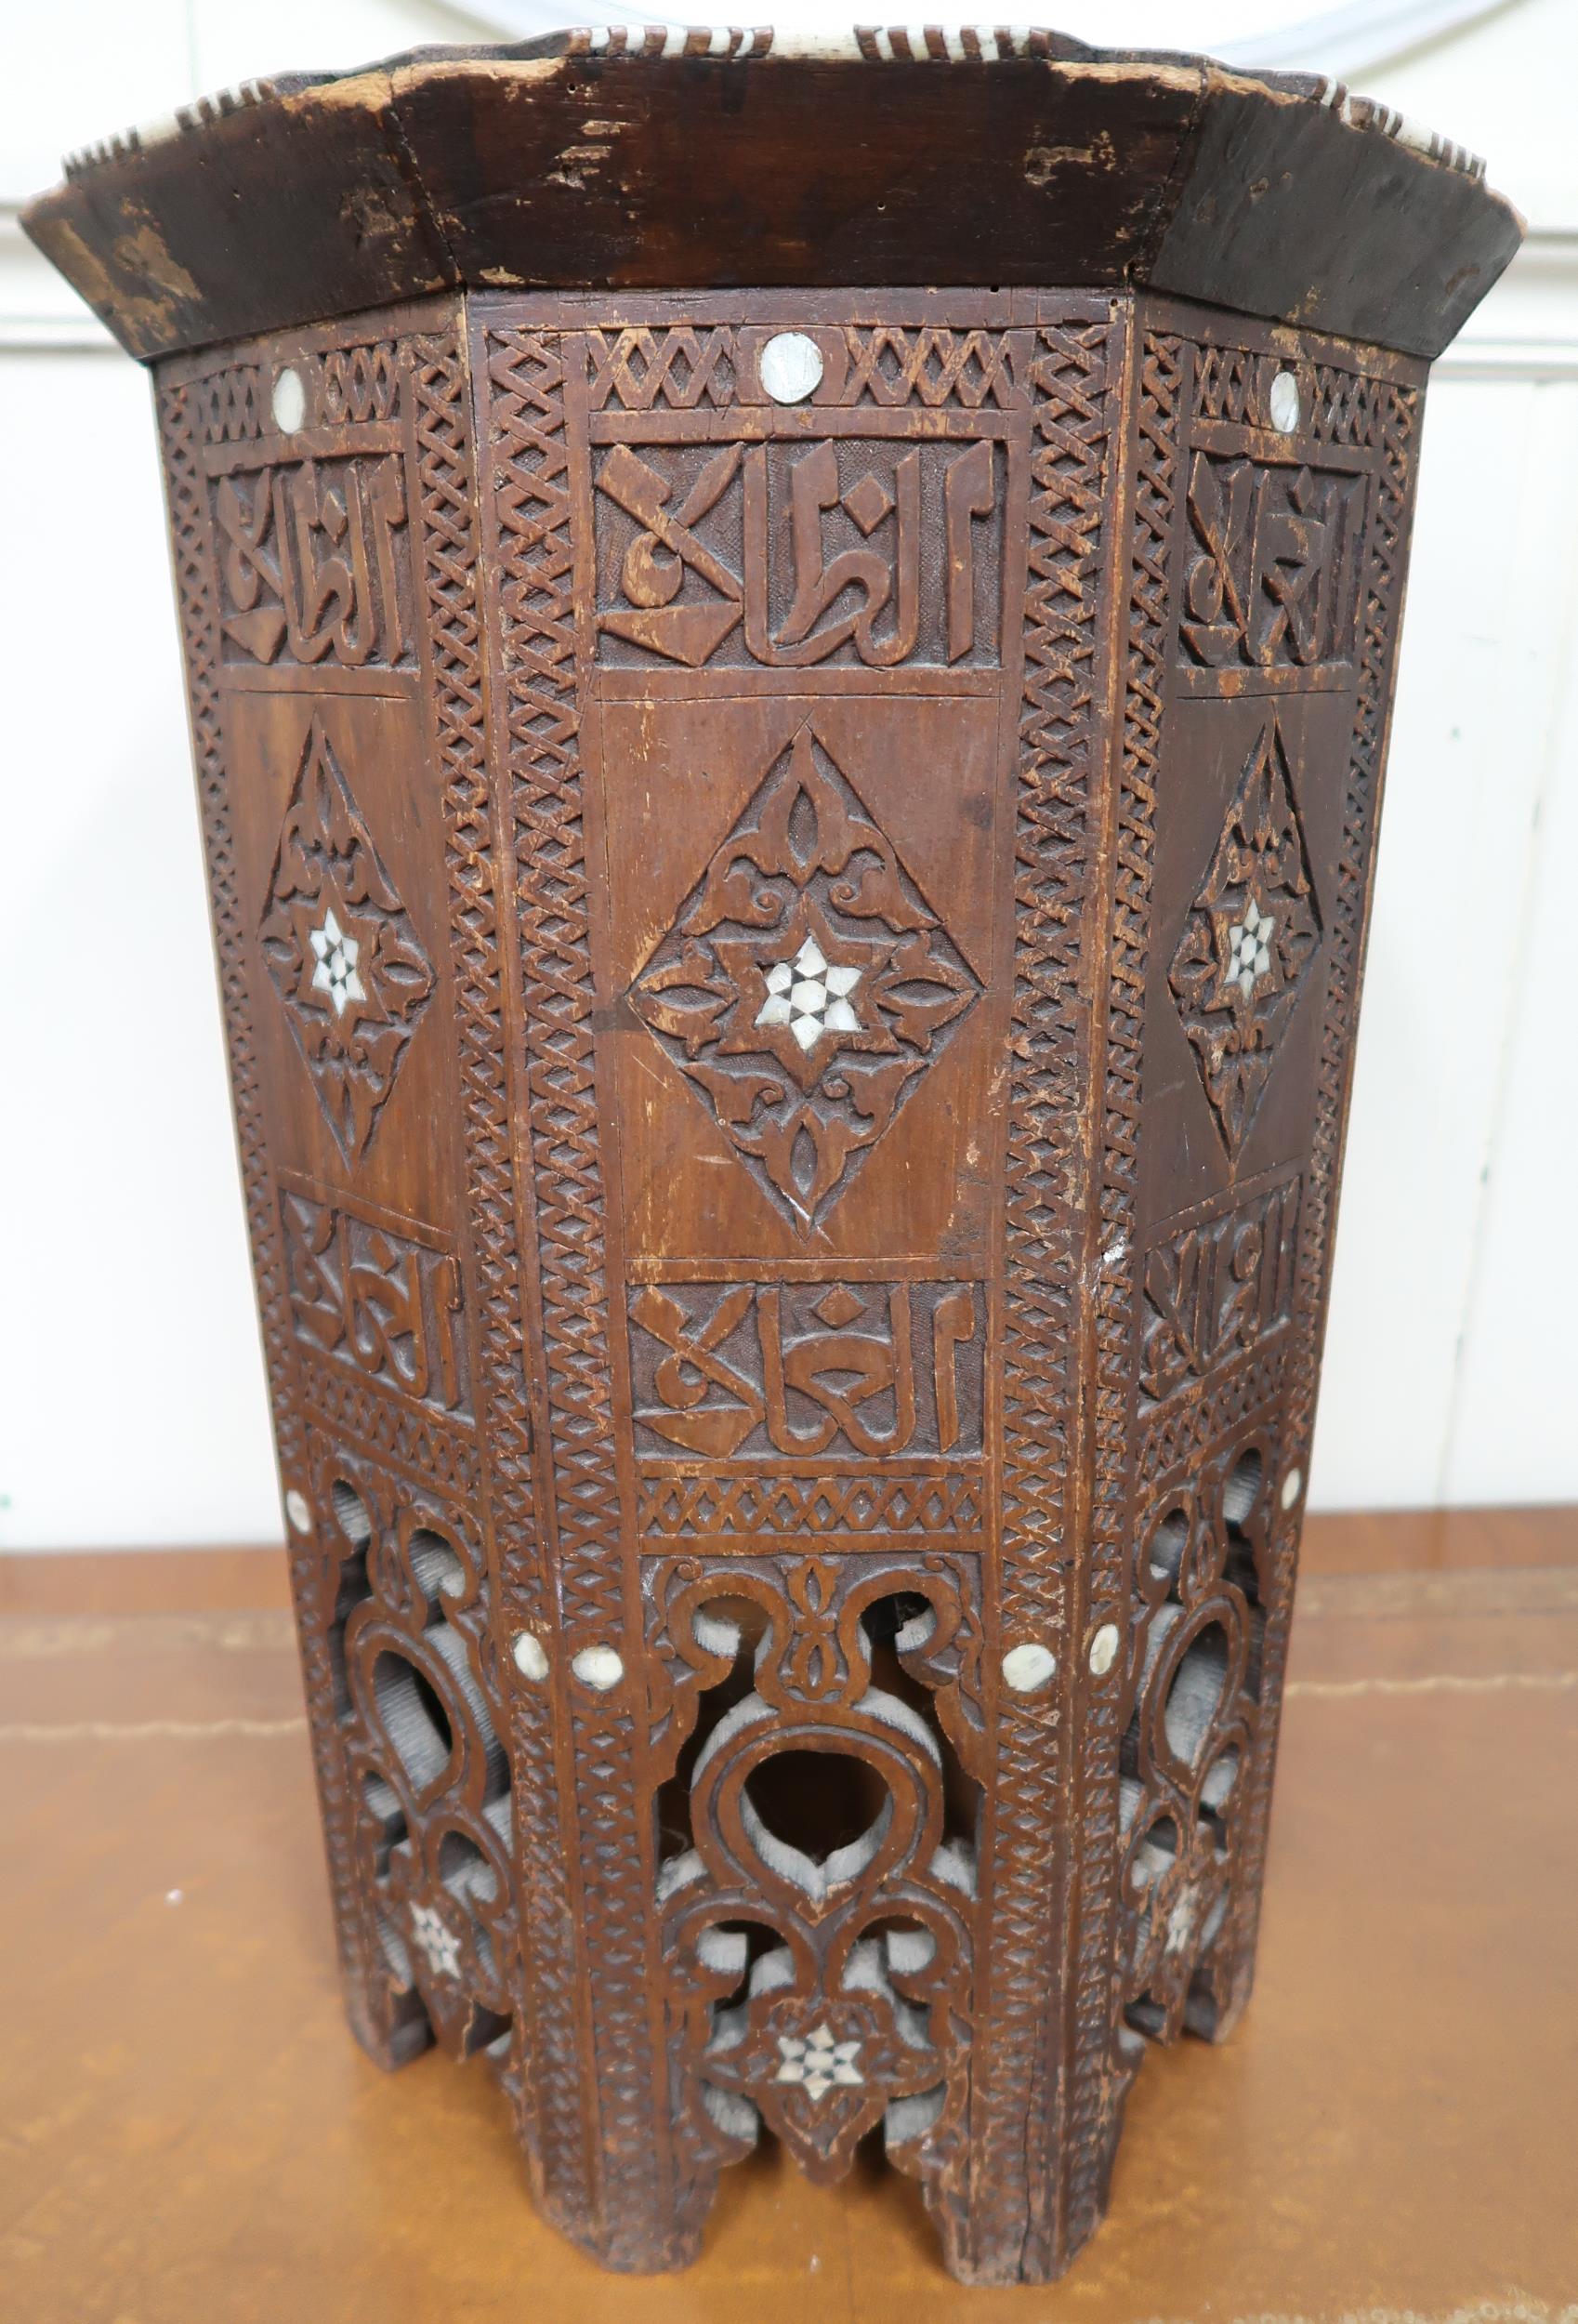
(1271, 579)
(847, 552)
(309, 506)
(380, 1293)
(724, 1372)
(314, 565)
(1216, 1287)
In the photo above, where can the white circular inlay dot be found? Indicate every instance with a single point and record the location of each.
(599, 1668)
(791, 367)
(299, 1510)
(1284, 402)
(288, 402)
(1028, 1666)
(1292, 1485)
(1104, 1649)
(526, 1651)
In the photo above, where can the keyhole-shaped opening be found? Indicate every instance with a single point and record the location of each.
(413, 1719)
(1196, 1693)
(817, 1802)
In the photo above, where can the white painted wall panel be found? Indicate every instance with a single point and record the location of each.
(1511, 1434)
(1478, 696)
(131, 1386)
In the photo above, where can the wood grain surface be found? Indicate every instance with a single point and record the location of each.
(189, 2132)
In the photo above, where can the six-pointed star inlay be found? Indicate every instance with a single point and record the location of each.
(336, 956)
(817, 2062)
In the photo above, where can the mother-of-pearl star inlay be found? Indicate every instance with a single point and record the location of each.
(811, 998)
(817, 2062)
(438, 1940)
(1249, 948)
(336, 956)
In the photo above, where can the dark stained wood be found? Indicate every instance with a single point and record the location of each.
(790, 871)
(552, 165)
(1012, 680)
(178, 2083)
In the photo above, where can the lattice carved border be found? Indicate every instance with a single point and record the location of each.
(1101, 2063)
(523, 380)
(1075, 375)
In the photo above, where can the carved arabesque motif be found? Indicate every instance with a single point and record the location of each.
(818, 1947)
(341, 949)
(527, 493)
(807, 984)
(1249, 941)
(1195, 1684)
(412, 1649)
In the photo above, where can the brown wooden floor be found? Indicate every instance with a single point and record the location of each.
(187, 2133)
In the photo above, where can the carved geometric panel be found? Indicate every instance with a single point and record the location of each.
(805, 986)
(1248, 940)
(343, 957)
(862, 1511)
(847, 2005)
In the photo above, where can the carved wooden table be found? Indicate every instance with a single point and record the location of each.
(790, 869)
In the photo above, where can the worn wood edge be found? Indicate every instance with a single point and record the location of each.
(115, 228)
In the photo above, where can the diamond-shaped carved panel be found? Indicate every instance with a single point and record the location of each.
(1248, 941)
(340, 944)
(805, 986)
